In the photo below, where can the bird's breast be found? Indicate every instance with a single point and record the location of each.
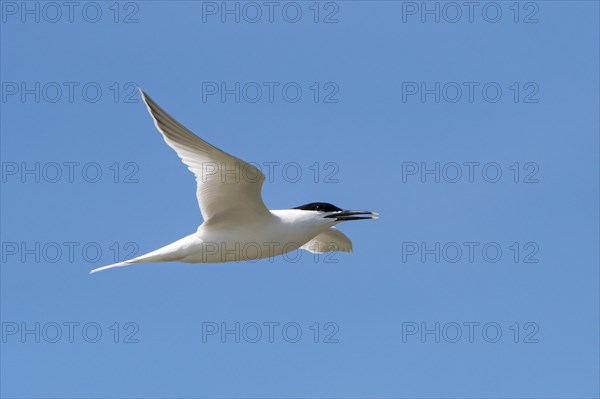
(250, 242)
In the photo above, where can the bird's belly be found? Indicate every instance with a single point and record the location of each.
(227, 247)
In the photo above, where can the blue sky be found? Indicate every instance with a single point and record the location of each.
(473, 131)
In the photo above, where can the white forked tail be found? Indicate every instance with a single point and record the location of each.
(169, 253)
(125, 263)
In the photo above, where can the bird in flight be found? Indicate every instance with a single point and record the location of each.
(237, 224)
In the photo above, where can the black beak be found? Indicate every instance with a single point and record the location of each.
(343, 216)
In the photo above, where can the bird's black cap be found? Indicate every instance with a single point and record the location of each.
(319, 206)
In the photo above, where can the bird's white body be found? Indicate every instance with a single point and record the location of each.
(237, 225)
(284, 231)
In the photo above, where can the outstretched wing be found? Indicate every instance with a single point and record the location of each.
(228, 189)
(329, 241)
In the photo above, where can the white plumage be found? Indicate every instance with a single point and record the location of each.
(237, 224)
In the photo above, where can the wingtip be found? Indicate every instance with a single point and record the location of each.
(142, 92)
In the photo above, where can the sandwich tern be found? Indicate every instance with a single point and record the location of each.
(237, 225)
